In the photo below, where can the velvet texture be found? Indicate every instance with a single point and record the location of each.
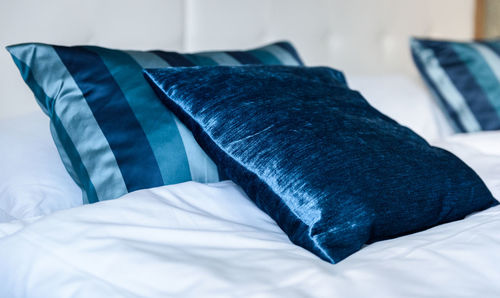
(332, 171)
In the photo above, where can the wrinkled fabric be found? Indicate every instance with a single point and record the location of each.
(332, 171)
(210, 240)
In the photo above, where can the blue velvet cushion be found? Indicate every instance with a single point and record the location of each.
(332, 171)
(465, 79)
(113, 134)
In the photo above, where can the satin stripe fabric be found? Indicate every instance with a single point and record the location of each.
(464, 76)
(494, 46)
(289, 49)
(201, 167)
(449, 97)
(220, 58)
(113, 134)
(244, 58)
(75, 166)
(151, 114)
(485, 65)
(72, 106)
(282, 55)
(200, 60)
(492, 59)
(265, 56)
(471, 77)
(174, 59)
(114, 115)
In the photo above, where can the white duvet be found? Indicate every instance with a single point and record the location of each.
(195, 240)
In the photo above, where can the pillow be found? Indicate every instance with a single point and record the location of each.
(33, 181)
(332, 171)
(113, 134)
(465, 78)
(393, 95)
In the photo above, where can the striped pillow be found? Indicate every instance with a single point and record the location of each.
(112, 132)
(465, 78)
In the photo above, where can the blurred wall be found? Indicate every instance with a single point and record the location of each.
(356, 36)
(488, 19)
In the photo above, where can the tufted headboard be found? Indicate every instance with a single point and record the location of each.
(357, 36)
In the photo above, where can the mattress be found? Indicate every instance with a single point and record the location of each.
(197, 240)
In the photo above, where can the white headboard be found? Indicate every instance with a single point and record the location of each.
(356, 36)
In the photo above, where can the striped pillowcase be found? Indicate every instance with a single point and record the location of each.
(112, 132)
(465, 78)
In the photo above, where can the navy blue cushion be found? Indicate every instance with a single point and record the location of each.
(331, 170)
(465, 79)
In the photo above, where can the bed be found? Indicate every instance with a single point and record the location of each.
(194, 239)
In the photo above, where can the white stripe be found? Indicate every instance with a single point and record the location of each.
(283, 56)
(452, 96)
(148, 60)
(76, 117)
(202, 168)
(220, 58)
(490, 57)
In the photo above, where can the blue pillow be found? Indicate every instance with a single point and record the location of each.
(113, 134)
(332, 171)
(465, 79)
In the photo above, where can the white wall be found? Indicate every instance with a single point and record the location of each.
(357, 36)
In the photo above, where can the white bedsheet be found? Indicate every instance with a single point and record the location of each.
(195, 240)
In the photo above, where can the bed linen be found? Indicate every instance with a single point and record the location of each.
(33, 180)
(196, 240)
(481, 151)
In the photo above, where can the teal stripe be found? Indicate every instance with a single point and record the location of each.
(490, 57)
(155, 119)
(265, 57)
(221, 58)
(446, 87)
(71, 158)
(103, 173)
(147, 59)
(42, 99)
(494, 45)
(202, 168)
(483, 74)
(62, 153)
(283, 56)
(200, 60)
